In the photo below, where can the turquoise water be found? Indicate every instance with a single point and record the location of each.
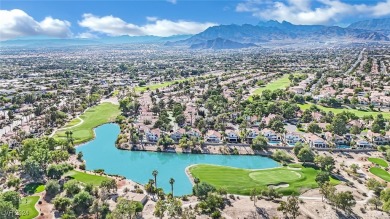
(101, 153)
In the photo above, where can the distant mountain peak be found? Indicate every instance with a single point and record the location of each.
(374, 24)
(220, 43)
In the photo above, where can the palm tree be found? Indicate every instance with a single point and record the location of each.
(172, 181)
(197, 181)
(67, 135)
(155, 173)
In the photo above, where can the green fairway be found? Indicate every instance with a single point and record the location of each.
(27, 207)
(93, 117)
(378, 161)
(73, 122)
(86, 178)
(34, 188)
(381, 173)
(358, 113)
(242, 181)
(280, 83)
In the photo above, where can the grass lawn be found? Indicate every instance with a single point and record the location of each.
(157, 86)
(93, 117)
(34, 188)
(86, 178)
(242, 181)
(358, 113)
(73, 122)
(280, 83)
(27, 207)
(378, 161)
(381, 173)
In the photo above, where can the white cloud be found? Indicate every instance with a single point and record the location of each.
(151, 19)
(172, 1)
(17, 23)
(303, 11)
(86, 35)
(115, 26)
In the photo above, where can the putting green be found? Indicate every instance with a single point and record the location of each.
(242, 181)
(276, 176)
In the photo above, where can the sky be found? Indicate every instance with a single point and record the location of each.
(100, 18)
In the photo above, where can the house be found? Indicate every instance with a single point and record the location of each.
(377, 138)
(315, 141)
(363, 144)
(152, 135)
(213, 136)
(193, 133)
(336, 139)
(232, 137)
(178, 134)
(292, 138)
(252, 134)
(271, 135)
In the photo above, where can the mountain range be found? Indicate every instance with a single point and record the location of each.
(274, 31)
(234, 36)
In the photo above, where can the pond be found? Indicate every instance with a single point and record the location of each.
(101, 153)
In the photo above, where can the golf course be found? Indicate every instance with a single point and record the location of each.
(27, 207)
(280, 83)
(242, 181)
(82, 130)
(378, 161)
(381, 173)
(86, 178)
(359, 113)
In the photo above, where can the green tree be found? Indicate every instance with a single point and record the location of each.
(375, 201)
(7, 210)
(82, 201)
(259, 143)
(354, 167)
(306, 155)
(172, 181)
(297, 147)
(160, 209)
(212, 203)
(62, 203)
(327, 190)
(314, 128)
(72, 187)
(345, 201)
(203, 189)
(291, 207)
(339, 124)
(127, 209)
(375, 185)
(322, 177)
(155, 173)
(385, 198)
(109, 184)
(11, 197)
(52, 188)
(254, 196)
(326, 163)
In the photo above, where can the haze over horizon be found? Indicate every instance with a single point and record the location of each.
(92, 19)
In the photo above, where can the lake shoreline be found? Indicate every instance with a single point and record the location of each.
(169, 164)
